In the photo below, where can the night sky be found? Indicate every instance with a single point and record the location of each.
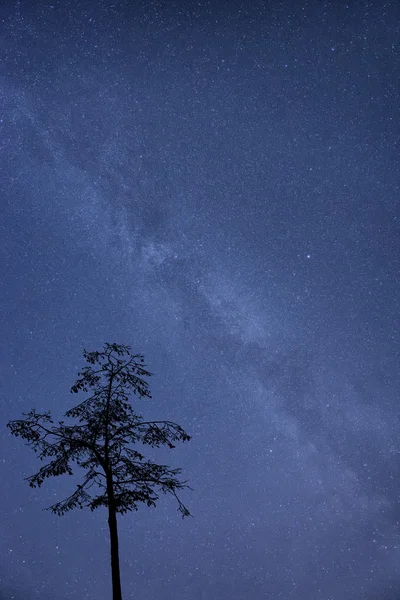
(215, 184)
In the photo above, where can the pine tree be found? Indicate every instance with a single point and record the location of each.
(105, 442)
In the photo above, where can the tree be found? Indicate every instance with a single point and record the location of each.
(105, 442)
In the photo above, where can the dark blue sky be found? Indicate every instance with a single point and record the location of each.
(217, 185)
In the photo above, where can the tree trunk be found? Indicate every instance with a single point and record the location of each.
(112, 513)
(115, 574)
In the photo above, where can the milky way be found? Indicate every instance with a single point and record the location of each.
(215, 184)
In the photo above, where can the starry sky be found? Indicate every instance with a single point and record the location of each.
(216, 184)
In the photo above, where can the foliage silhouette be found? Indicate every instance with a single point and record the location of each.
(103, 442)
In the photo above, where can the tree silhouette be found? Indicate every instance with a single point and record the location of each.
(105, 443)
